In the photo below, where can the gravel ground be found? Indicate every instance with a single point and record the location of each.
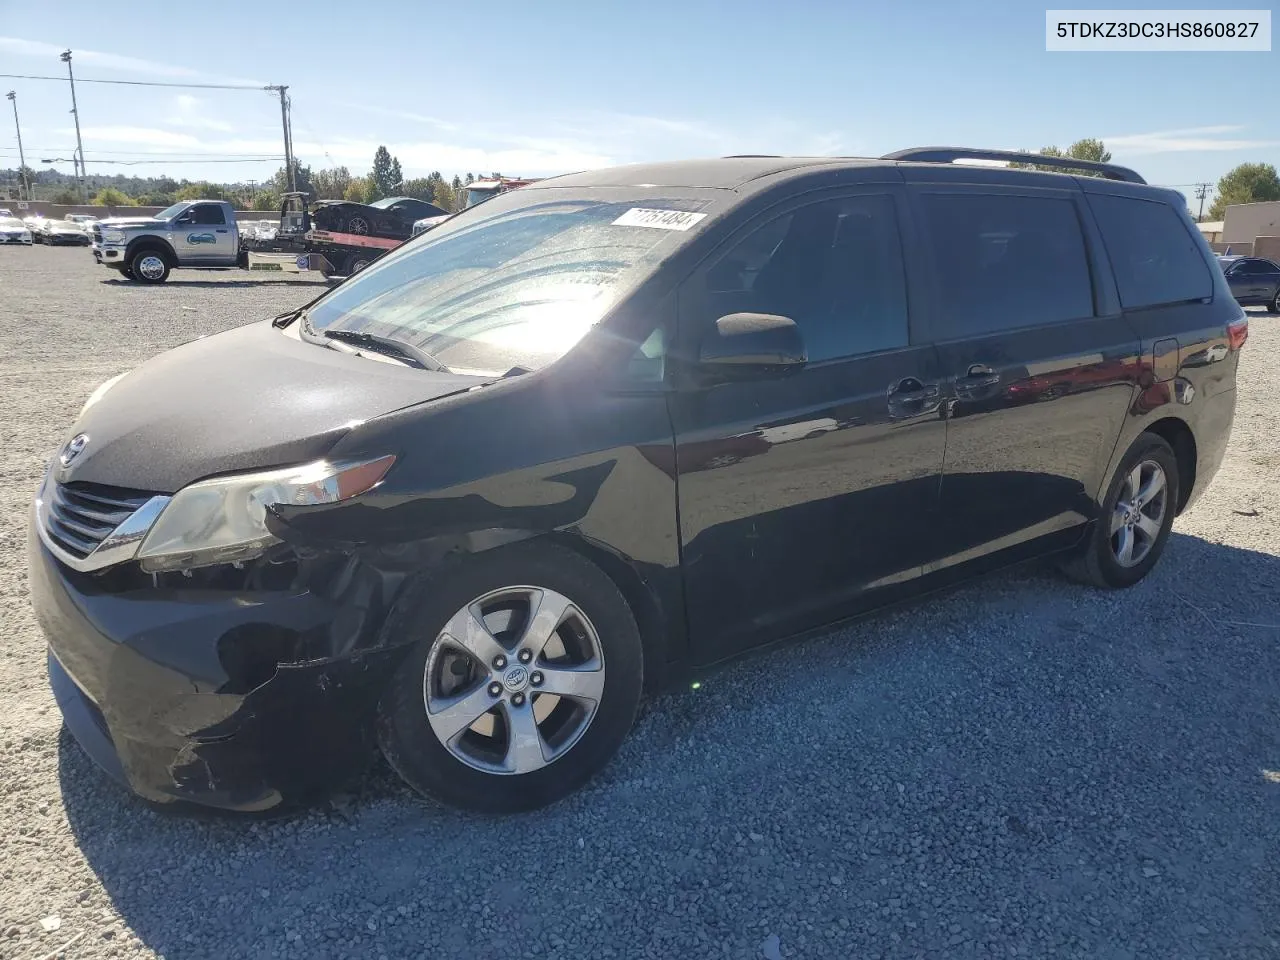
(1020, 768)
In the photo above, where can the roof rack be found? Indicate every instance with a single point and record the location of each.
(950, 154)
(753, 156)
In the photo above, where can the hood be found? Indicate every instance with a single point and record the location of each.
(129, 221)
(251, 398)
(63, 226)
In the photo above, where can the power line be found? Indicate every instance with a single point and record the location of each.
(147, 83)
(176, 154)
(138, 163)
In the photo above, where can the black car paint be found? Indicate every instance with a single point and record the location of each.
(1253, 280)
(395, 222)
(203, 680)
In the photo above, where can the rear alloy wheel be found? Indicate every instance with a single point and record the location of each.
(1133, 526)
(358, 224)
(149, 266)
(522, 690)
(357, 262)
(1275, 304)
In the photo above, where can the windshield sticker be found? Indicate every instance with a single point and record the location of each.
(662, 219)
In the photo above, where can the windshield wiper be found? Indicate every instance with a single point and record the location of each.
(414, 356)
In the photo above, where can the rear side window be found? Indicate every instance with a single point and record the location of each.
(1004, 261)
(1154, 256)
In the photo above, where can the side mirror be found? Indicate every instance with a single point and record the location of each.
(752, 344)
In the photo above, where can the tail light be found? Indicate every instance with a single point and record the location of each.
(1237, 333)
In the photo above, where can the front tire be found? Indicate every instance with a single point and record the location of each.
(357, 262)
(523, 685)
(149, 266)
(1126, 540)
(1275, 304)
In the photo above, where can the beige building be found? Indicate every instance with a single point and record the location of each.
(1245, 222)
(1211, 229)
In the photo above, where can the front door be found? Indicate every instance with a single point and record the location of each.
(801, 493)
(204, 237)
(1038, 384)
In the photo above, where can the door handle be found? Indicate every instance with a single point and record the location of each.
(221, 230)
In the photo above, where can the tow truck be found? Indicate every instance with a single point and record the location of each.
(298, 247)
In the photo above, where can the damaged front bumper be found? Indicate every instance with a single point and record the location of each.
(226, 698)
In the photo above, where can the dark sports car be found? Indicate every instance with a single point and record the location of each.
(389, 217)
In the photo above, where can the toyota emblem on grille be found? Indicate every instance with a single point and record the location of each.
(73, 449)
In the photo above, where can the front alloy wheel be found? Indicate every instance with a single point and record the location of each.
(522, 680)
(514, 680)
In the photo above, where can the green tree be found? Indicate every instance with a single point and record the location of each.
(111, 197)
(359, 190)
(1088, 149)
(201, 190)
(457, 183)
(279, 181)
(443, 196)
(471, 178)
(66, 198)
(156, 199)
(386, 175)
(331, 184)
(1247, 183)
(420, 188)
(265, 200)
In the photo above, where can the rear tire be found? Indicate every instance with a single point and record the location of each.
(1275, 304)
(526, 747)
(149, 266)
(357, 262)
(1126, 540)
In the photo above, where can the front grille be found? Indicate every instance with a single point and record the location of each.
(81, 515)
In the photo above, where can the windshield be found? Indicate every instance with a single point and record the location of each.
(168, 213)
(475, 195)
(515, 283)
(385, 202)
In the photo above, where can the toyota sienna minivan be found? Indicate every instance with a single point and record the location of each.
(606, 430)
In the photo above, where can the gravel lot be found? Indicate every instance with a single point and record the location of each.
(1021, 768)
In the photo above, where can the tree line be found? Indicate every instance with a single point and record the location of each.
(1246, 183)
(384, 179)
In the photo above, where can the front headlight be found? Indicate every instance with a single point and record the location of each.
(225, 519)
(26, 236)
(113, 236)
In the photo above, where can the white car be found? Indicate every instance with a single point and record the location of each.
(84, 221)
(5, 212)
(13, 230)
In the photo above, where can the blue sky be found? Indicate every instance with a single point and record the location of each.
(540, 89)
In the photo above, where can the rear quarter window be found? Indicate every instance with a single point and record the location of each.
(1154, 257)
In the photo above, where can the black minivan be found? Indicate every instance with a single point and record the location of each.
(603, 431)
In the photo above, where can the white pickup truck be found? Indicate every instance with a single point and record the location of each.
(199, 233)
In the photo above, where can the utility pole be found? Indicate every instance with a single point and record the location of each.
(66, 58)
(290, 176)
(22, 160)
(1202, 191)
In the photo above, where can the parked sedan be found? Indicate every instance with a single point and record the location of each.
(13, 230)
(390, 217)
(1253, 280)
(64, 233)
